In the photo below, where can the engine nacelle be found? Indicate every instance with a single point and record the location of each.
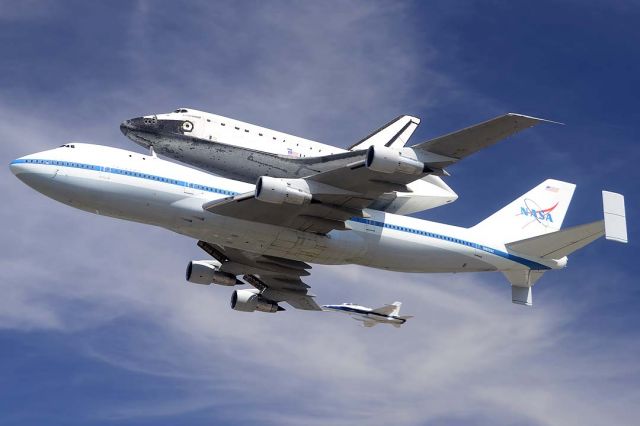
(387, 160)
(250, 301)
(207, 272)
(279, 191)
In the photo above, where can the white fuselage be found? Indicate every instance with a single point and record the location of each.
(141, 188)
(364, 314)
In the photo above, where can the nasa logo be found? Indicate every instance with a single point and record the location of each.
(533, 210)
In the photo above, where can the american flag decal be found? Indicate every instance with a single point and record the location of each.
(552, 188)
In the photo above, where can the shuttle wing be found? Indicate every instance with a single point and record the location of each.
(462, 143)
(277, 279)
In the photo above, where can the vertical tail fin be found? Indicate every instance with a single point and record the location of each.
(539, 211)
(389, 310)
(395, 133)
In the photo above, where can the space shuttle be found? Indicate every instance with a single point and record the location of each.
(243, 151)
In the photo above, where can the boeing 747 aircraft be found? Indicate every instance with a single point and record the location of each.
(266, 234)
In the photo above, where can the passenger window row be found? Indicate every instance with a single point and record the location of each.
(416, 231)
(131, 173)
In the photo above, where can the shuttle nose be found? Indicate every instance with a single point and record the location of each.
(132, 125)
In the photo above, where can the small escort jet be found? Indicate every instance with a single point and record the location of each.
(388, 314)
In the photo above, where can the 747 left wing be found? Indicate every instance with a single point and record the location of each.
(274, 279)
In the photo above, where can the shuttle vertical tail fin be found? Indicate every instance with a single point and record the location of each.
(395, 134)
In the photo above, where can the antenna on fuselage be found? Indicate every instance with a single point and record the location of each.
(152, 152)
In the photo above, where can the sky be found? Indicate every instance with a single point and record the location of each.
(98, 326)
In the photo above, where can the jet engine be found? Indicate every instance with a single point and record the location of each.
(207, 272)
(388, 160)
(279, 191)
(250, 301)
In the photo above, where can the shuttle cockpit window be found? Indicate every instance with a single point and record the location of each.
(181, 110)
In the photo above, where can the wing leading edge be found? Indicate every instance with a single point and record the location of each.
(276, 279)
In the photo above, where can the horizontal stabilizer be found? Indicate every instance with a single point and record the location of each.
(394, 134)
(615, 220)
(556, 245)
(560, 243)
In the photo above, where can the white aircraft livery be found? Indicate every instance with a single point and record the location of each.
(266, 234)
(388, 314)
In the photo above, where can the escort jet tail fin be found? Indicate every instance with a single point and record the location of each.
(389, 310)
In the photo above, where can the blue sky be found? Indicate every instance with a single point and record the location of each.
(97, 325)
